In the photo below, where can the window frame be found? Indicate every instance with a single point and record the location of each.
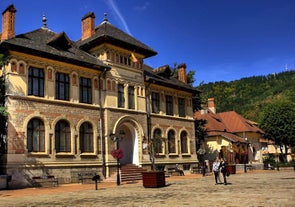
(184, 143)
(36, 80)
(131, 97)
(169, 105)
(62, 86)
(86, 138)
(121, 99)
(181, 107)
(171, 142)
(36, 144)
(155, 102)
(85, 90)
(158, 150)
(62, 130)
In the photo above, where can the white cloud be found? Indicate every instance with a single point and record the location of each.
(112, 4)
(142, 7)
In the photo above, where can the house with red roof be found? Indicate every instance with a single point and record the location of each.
(230, 136)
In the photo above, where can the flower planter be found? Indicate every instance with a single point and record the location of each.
(153, 179)
(231, 169)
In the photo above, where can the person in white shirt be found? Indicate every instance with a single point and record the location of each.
(215, 169)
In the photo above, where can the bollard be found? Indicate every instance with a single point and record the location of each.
(95, 179)
(96, 187)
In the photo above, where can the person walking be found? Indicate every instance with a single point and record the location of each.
(223, 167)
(215, 169)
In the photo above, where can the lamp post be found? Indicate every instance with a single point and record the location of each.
(117, 140)
(246, 154)
(201, 152)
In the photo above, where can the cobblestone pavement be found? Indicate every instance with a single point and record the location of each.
(255, 188)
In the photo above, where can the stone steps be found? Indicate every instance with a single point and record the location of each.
(131, 172)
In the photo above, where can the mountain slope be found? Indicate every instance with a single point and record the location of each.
(248, 96)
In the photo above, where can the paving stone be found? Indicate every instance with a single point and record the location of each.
(255, 188)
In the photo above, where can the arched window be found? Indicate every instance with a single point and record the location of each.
(62, 137)
(13, 67)
(157, 141)
(35, 136)
(21, 68)
(183, 141)
(171, 142)
(86, 137)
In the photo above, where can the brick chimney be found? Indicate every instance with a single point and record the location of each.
(8, 22)
(88, 25)
(182, 72)
(211, 105)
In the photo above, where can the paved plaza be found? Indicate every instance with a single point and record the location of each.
(255, 188)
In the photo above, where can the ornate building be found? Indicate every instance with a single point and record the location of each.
(66, 100)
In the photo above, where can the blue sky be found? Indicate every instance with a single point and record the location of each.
(221, 40)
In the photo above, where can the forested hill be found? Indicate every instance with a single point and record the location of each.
(248, 96)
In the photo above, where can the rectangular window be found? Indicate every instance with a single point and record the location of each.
(36, 82)
(131, 104)
(169, 105)
(155, 102)
(85, 90)
(181, 107)
(62, 86)
(121, 96)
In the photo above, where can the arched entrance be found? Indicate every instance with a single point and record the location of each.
(130, 142)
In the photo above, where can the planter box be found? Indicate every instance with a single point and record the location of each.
(153, 179)
(232, 169)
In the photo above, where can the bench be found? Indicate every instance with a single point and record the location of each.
(268, 167)
(197, 169)
(88, 176)
(39, 181)
(250, 167)
(172, 171)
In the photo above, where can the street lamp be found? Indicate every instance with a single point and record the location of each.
(246, 154)
(201, 152)
(117, 140)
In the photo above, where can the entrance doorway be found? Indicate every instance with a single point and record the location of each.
(129, 144)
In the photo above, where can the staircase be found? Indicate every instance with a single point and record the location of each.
(131, 172)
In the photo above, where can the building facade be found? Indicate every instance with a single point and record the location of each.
(231, 136)
(67, 99)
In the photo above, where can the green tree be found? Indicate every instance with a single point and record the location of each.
(278, 123)
(200, 131)
(3, 120)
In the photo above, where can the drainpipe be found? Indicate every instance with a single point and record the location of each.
(101, 123)
(147, 95)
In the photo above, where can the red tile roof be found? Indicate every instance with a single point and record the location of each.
(226, 124)
(236, 123)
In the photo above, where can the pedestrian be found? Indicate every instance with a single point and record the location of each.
(223, 167)
(215, 169)
(179, 169)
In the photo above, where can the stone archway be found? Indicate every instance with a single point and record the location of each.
(130, 143)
